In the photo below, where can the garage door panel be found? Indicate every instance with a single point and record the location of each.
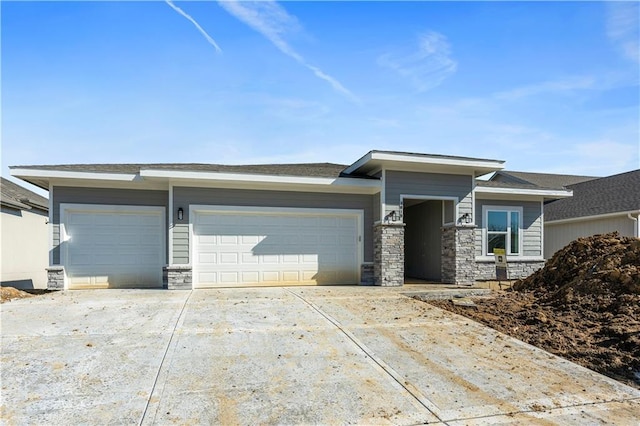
(250, 259)
(207, 258)
(114, 247)
(228, 258)
(228, 277)
(269, 248)
(251, 277)
(228, 240)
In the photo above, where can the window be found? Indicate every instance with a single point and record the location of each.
(503, 227)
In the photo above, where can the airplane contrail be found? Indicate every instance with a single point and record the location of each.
(193, 21)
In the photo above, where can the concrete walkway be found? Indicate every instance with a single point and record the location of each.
(321, 355)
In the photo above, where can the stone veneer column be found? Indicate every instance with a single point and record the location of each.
(388, 254)
(55, 278)
(458, 255)
(177, 277)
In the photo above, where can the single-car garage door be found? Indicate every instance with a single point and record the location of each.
(113, 246)
(260, 246)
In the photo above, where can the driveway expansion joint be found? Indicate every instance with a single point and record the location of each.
(164, 357)
(415, 393)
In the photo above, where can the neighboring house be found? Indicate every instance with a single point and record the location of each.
(598, 206)
(24, 235)
(387, 216)
(543, 180)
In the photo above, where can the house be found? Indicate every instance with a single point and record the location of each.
(24, 234)
(598, 206)
(383, 218)
(543, 180)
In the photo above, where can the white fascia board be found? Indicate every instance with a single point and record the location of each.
(65, 174)
(361, 162)
(486, 165)
(494, 164)
(592, 217)
(550, 193)
(262, 179)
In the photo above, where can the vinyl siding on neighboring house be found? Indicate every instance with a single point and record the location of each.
(104, 196)
(531, 222)
(25, 248)
(185, 196)
(399, 183)
(559, 235)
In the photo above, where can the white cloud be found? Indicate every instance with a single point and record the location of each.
(623, 23)
(426, 68)
(198, 27)
(555, 86)
(601, 157)
(274, 23)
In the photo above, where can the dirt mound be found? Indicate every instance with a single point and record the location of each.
(584, 305)
(601, 270)
(10, 293)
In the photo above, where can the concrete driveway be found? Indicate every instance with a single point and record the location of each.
(282, 356)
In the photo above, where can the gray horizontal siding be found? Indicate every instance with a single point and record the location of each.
(376, 208)
(531, 222)
(122, 197)
(399, 183)
(186, 196)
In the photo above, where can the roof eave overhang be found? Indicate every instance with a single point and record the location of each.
(374, 161)
(591, 217)
(14, 204)
(547, 194)
(43, 178)
(273, 182)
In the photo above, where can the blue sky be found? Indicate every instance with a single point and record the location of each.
(546, 86)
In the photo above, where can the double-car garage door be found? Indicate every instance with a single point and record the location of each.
(260, 246)
(124, 246)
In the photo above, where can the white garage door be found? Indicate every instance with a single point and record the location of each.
(113, 246)
(276, 247)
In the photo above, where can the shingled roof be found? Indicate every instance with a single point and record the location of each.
(543, 180)
(612, 194)
(17, 197)
(514, 185)
(301, 169)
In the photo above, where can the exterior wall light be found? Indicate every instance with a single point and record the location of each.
(392, 216)
(180, 213)
(465, 218)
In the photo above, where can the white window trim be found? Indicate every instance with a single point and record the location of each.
(433, 198)
(485, 222)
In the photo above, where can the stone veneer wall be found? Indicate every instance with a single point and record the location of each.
(486, 270)
(458, 255)
(55, 278)
(177, 277)
(388, 254)
(367, 276)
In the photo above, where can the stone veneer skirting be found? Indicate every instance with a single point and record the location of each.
(486, 270)
(177, 277)
(55, 278)
(458, 255)
(388, 254)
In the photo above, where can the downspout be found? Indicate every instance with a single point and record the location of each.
(637, 227)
